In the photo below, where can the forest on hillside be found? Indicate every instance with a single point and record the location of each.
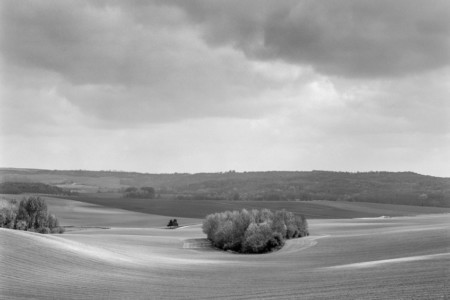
(31, 187)
(379, 187)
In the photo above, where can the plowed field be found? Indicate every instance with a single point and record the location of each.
(372, 258)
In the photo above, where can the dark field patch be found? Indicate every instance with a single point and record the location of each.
(310, 209)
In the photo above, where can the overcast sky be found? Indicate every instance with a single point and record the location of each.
(210, 86)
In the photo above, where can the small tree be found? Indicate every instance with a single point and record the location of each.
(8, 213)
(22, 216)
(170, 223)
(210, 226)
(37, 212)
(257, 238)
(52, 221)
(21, 225)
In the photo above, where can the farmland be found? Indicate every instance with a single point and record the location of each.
(404, 188)
(404, 257)
(318, 209)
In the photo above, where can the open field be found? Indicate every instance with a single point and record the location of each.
(77, 214)
(311, 209)
(370, 258)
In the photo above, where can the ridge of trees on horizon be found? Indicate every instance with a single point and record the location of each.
(404, 188)
(30, 214)
(255, 231)
(14, 188)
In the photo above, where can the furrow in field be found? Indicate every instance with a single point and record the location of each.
(341, 259)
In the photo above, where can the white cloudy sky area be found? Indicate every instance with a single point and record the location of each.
(207, 86)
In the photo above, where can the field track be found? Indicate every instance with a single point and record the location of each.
(371, 258)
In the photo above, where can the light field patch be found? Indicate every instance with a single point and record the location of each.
(376, 263)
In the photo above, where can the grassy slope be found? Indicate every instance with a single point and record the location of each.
(311, 209)
(152, 263)
(78, 214)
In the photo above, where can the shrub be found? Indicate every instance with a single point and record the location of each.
(173, 223)
(52, 221)
(43, 230)
(8, 213)
(224, 236)
(210, 226)
(58, 229)
(278, 224)
(276, 241)
(302, 226)
(241, 222)
(263, 215)
(289, 230)
(37, 211)
(257, 231)
(21, 225)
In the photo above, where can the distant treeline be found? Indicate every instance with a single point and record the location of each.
(31, 187)
(380, 187)
(376, 187)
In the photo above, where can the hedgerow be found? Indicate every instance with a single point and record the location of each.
(255, 231)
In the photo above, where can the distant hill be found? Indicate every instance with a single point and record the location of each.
(405, 188)
(31, 187)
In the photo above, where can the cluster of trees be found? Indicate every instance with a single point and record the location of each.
(173, 223)
(255, 231)
(31, 214)
(143, 192)
(31, 187)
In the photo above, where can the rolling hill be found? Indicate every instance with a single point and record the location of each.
(375, 258)
(404, 188)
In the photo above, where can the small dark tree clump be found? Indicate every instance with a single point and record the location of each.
(255, 231)
(173, 223)
(31, 214)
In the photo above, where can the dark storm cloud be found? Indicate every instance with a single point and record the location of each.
(84, 41)
(104, 42)
(353, 38)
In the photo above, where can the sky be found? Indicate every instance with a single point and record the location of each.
(211, 86)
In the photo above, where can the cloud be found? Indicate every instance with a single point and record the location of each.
(165, 86)
(351, 38)
(127, 64)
